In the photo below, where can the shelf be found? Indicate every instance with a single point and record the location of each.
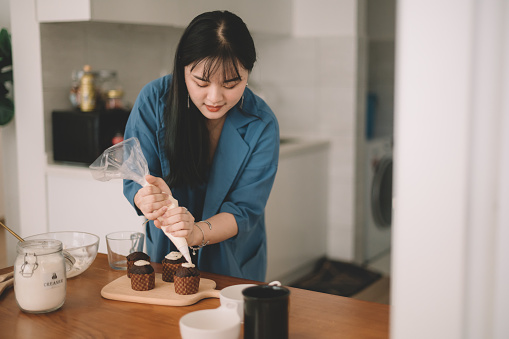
(155, 12)
(263, 16)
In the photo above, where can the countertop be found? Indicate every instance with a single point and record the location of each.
(294, 145)
(289, 146)
(86, 314)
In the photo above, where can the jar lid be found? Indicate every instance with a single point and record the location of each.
(115, 93)
(106, 73)
(100, 74)
(40, 247)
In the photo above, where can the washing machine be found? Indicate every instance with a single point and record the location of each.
(378, 199)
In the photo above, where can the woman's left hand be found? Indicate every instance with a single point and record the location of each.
(178, 221)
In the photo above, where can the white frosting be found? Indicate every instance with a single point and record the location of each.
(173, 255)
(179, 242)
(141, 263)
(187, 265)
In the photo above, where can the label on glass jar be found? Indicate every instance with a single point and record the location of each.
(53, 279)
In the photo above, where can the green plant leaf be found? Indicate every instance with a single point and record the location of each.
(3, 90)
(5, 62)
(6, 76)
(6, 111)
(6, 105)
(5, 45)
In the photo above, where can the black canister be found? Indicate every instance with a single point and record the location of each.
(266, 310)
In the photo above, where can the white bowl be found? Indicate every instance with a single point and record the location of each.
(233, 294)
(219, 323)
(81, 245)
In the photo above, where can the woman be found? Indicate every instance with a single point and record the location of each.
(215, 143)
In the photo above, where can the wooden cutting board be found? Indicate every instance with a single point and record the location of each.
(163, 293)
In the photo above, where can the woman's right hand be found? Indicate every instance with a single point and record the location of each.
(153, 199)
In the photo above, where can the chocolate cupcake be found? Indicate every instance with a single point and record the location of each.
(135, 256)
(171, 262)
(143, 277)
(187, 279)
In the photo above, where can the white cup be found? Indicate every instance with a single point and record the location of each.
(219, 323)
(233, 295)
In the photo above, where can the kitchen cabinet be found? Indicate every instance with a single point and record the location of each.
(296, 213)
(176, 13)
(77, 202)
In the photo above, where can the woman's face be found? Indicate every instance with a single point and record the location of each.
(214, 97)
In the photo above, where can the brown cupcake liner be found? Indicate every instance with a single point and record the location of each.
(186, 285)
(129, 265)
(143, 282)
(169, 271)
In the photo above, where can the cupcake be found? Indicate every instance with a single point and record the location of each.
(170, 264)
(143, 277)
(135, 256)
(187, 279)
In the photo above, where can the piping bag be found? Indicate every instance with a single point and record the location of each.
(125, 160)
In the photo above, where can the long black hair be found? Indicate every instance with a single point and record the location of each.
(222, 41)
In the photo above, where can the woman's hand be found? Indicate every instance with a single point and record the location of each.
(153, 199)
(179, 222)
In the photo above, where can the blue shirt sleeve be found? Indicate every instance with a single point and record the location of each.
(145, 123)
(248, 198)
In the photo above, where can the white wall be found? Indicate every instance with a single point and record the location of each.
(450, 254)
(5, 22)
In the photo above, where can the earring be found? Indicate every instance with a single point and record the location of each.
(242, 101)
(188, 106)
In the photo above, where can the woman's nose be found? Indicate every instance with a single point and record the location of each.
(215, 94)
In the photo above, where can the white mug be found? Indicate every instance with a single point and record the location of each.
(219, 323)
(233, 294)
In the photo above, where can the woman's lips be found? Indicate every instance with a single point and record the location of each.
(213, 108)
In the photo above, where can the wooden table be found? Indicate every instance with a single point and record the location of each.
(86, 314)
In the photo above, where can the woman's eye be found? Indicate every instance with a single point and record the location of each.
(230, 85)
(203, 84)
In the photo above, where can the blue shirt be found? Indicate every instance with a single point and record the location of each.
(240, 180)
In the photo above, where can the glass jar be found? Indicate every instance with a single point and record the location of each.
(39, 276)
(106, 81)
(114, 99)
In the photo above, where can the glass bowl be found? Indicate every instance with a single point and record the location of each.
(81, 245)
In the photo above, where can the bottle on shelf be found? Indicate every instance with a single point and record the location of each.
(87, 90)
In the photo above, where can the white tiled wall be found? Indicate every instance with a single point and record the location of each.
(325, 17)
(309, 81)
(311, 84)
(138, 53)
